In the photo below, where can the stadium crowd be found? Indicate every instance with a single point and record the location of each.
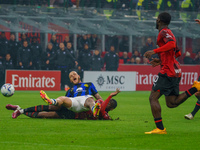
(186, 5)
(28, 54)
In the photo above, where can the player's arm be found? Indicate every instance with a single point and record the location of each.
(105, 103)
(155, 62)
(168, 46)
(97, 96)
(95, 92)
(198, 21)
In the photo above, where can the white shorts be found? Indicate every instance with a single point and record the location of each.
(78, 103)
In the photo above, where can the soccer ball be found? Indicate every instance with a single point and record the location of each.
(7, 90)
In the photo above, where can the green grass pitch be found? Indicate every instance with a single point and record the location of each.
(126, 133)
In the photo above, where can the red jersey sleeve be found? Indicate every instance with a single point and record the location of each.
(105, 103)
(104, 114)
(168, 46)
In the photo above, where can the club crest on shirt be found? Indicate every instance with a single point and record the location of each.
(86, 85)
(80, 89)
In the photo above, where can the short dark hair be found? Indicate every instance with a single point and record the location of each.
(113, 103)
(165, 17)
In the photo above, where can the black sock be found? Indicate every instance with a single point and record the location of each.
(31, 114)
(38, 108)
(191, 91)
(158, 122)
(196, 108)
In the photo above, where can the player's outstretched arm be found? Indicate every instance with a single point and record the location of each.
(149, 53)
(155, 62)
(198, 21)
(115, 93)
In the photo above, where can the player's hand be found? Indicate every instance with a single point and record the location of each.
(197, 94)
(155, 62)
(76, 63)
(198, 21)
(115, 93)
(148, 54)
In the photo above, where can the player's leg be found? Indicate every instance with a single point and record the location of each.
(175, 99)
(159, 85)
(33, 112)
(62, 100)
(196, 108)
(12, 107)
(95, 107)
(50, 115)
(156, 111)
(191, 115)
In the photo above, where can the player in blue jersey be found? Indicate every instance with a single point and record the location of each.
(55, 112)
(80, 88)
(79, 98)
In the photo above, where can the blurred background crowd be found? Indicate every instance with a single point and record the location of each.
(189, 5)
(84, 52)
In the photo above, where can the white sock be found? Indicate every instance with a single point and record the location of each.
(21, 111)
(92, 108)
(54, 102)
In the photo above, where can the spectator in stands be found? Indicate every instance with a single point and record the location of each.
(188, 59)
(136, 53)
(97, 62)
(8, 63)
(54, 42)
(132, 61)
(67, 39)
(137, 60)
(13, 47)
(37, 51)
(197, 58)
(63, 59)
(125, 57)
(93, 40)
(111, 40)
(71, 50)
(85, 58)
(82, 41)
(3, 45)
(145, 61)
(124, 44)
(25, 56)
(148, 46)
(111, 59)
(89, 39)
(23, 38)
(48, 57)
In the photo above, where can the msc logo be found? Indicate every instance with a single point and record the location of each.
(110, 80)
(100, 80)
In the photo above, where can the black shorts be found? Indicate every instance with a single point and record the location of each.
(166, 85)
(65, 113)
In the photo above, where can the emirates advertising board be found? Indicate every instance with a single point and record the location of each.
(34, 80)
(110, 80)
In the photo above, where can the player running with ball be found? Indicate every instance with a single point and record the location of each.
(167, 82)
